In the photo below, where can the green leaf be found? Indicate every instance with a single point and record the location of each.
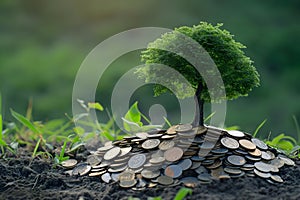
(276, 140)
(96, 106)
(131, 126)
(133, 114)
(181, 194)
(24, 121)
(108, 135)
(285, 145)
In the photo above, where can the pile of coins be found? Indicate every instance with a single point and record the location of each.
(181, 155)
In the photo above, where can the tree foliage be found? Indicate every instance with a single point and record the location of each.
(237, 70)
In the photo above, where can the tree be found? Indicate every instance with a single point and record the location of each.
(237, 70)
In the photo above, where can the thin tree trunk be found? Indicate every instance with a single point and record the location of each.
(199, 117)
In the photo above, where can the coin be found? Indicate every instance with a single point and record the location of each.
(142, 135)
(263, 167)
(117, 169)
(106, 177)
(183, 127)
(190, 181)
(256, 152)
(172, 130)
(215, 165)
(127, 175)
(265, 156)
(128, 184)
(232, 171)
(115, 176)
(173, 154)
(81, 170)
(201, 170)
(235, 133)
(201, 130)
(112, 153)
(97, 173)
(262, 174)
(185, 164)
(124, 151)
(69, 163)
(151, 144)
(157, 160)
(93, 160)
(276, 178)
(137, 161)
(247, 144)
(286, 160)
(260, 144)
(277, 162)
(173, 171)
(236, 160)
(165, 180)
(165, 145)
(149, 174)
(105, 148)
(229, 143)
(204, 177)
(219, 151)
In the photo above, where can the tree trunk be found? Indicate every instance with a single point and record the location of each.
(199, 117)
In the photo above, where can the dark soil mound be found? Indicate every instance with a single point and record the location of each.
(21, 178)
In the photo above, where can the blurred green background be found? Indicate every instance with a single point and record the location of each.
(44, 42)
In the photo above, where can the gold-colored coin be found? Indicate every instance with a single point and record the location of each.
(256, 152)
(247, 144)
(172, 130)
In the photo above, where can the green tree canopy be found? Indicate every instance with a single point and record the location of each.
(237, 70)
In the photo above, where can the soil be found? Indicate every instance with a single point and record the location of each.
(24, 178)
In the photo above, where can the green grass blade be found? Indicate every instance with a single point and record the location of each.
(36, 148)
(259, 127)
(167, 121)
(24, 121)
(181, 194)
(209, 116)
(297, 127)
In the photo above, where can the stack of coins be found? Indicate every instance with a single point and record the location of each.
(181, 155)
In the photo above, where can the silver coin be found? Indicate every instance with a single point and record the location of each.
(112, 153)
(183, 127)
(137, 161)
(81, 170)
(260, 144)
(151, 144)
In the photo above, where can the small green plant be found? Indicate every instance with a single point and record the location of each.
(237, 70)
(61, 157)
(182, 193)
(132, 121)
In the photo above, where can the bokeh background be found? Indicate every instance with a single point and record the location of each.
(44, 42)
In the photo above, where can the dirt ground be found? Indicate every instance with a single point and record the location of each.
(23, 178)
